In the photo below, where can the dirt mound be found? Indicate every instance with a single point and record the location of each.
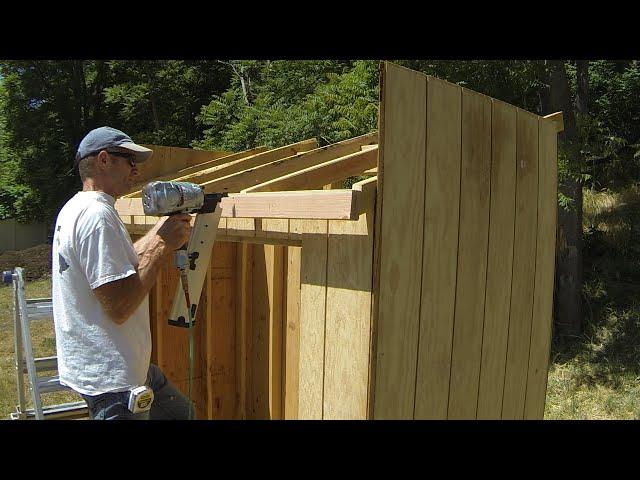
(35, 261)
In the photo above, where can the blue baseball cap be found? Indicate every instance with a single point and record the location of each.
(107, 137)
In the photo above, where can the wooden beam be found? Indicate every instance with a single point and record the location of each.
(322, 174)
(557, 118)
(168, 159)
(268, 171)
(191, 168)
(309, 204)
(229, 168)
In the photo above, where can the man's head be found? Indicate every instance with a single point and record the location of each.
(109, 157)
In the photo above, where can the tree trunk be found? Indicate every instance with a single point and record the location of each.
(568, 287)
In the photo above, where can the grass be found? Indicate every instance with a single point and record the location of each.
(597, 375)
(43, 341)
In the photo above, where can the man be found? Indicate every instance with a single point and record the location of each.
(101, 282)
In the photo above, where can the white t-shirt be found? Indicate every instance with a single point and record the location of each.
(91, 247)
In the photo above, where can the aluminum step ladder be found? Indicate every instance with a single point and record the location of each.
(26, 310)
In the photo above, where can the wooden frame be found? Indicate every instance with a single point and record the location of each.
(424, 291)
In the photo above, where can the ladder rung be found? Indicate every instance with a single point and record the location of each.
(43, 364)
(39, 308)
(64, 410)
(51, 384)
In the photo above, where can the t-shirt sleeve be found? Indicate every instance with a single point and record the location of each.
(103, 255)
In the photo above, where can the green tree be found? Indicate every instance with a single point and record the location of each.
(48, 107)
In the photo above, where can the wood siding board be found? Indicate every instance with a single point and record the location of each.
(313, 295)
(402, 224)
(475, 189)
(545, 271)
(348, 316)
(440, 257)
(292, 333)
(523, 267)
(500, 261)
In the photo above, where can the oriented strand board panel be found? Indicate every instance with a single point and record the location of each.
(524, 256)
(475, 189)
(440, 251)
(401, 231)
(313, 298)
(499, 261)
(545, 269)
(292, 333)
(348, 321)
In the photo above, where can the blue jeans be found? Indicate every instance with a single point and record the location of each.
(168, 402)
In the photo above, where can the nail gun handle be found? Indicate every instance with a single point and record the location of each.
(182, 258)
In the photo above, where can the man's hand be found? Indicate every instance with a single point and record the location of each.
(175, 230)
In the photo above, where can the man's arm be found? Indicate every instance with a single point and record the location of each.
(121, 298)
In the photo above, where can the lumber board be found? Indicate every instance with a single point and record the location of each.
(221, 331)
(475, 189)
(440, 251)
(523, 266)
(198, 394)
(545, 272)
(499, 261)
(401, 231)
(322, 174)
(166, 160)
(557, 119)
(259, 335)
(292, 333)
(348, 314)
(230, 168)
(156, 296)
(308, 204)
(255, 175)
(207, 338)
(275, 288)
(190, 165)
(312, 158)
(243, 324)
(175, 344)
(313, 296)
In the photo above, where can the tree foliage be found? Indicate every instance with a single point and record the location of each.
(46, 107)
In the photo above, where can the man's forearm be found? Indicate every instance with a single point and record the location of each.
(122, 297)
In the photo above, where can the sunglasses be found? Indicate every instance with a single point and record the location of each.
(131, 157)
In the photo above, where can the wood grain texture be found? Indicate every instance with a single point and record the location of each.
(348, 316)
(545, 271)
(322, 174)
(475, 189)
(440, 250)
(292, 333)
(401, 230)
(313, 296)
(499, 261)
(524, 255)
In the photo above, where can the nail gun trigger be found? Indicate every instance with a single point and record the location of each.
(192, 260)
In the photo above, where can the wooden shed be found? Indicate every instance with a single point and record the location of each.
(424, 291)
